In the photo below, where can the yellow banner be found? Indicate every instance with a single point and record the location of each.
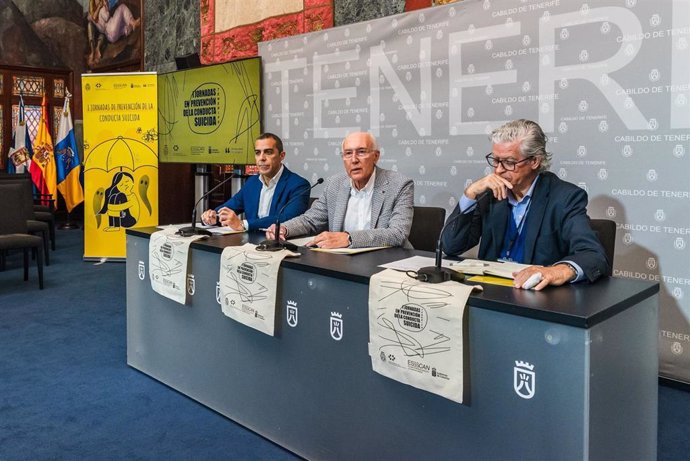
(120, 159)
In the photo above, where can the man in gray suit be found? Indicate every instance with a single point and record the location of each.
(363, 207)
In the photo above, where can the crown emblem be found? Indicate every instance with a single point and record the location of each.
(292, 303)
(337, 314)
(526, 365)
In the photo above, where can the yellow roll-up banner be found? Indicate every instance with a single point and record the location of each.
(120, 159)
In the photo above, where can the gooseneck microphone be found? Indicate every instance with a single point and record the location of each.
(436, 273)
(193, 230)
(277, 244)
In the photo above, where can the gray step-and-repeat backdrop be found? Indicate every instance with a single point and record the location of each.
(608, 80)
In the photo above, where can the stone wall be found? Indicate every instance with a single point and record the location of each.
(351, 11)
(171, 29)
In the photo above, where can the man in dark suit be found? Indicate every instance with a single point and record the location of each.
(364, 206)
(265, 194)
(523, 213)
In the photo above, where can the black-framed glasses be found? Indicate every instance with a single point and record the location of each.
(359, 153)
(508, 164)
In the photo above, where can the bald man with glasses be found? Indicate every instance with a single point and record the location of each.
(523, 213)
(365, 206)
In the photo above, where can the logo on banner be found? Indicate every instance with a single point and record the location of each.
(141, 270)
(611, 212)
(677, 348)
(218, 292)
(524, 379)
(336, 326)
(678, 150)
(191, 285)
(677, 293)
(628, 238)
(292, 313)
(660, 215)
(166, 251)
(247, 272)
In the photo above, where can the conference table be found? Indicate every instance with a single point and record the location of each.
(592, 349)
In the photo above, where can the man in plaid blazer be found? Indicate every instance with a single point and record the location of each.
(363, 207)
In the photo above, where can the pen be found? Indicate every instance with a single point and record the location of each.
(263, 229)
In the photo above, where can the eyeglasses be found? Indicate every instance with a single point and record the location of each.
(360, 153)
(508, 164)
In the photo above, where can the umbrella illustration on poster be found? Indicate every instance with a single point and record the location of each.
(123, 188)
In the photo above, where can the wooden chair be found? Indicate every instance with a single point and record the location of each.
(427, 223)
(14, 229)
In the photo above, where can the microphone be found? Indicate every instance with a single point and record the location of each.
(277, 245)
(436, 273)
(192, 230)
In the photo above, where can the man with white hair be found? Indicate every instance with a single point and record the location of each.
(523, 213)
(365, 206)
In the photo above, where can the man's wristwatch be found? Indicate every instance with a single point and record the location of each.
(571, 267)
(349, 240)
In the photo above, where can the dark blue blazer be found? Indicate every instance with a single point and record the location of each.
(247, 199)
(557, 228)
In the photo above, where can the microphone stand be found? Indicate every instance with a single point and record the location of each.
(276, 244)
(193, 230)
(436, 273)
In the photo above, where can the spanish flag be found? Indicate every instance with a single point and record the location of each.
(43, 156)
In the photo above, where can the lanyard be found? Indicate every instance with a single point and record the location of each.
(515, 236)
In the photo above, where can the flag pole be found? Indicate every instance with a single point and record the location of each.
(69, 224)
(67, 159)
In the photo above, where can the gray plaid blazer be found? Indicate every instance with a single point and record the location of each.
(391, 211)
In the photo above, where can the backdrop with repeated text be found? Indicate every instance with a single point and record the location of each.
(609, 81)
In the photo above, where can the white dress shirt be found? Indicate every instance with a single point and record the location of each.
(266, 196)
(358, 214)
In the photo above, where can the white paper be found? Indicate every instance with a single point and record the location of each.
(415, 332)
(168, 258)
(349, 251)
(212, 228)
(302, 241)
(248, 285)
(215, 230)
(414, 263)
(479, 267)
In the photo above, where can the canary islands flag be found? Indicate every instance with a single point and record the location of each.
(67, 160)
(43, 156)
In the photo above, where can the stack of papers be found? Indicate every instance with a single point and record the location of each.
(302, 242)
(495, 268)
(494, 272)
(414, 263)
(213, 229)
